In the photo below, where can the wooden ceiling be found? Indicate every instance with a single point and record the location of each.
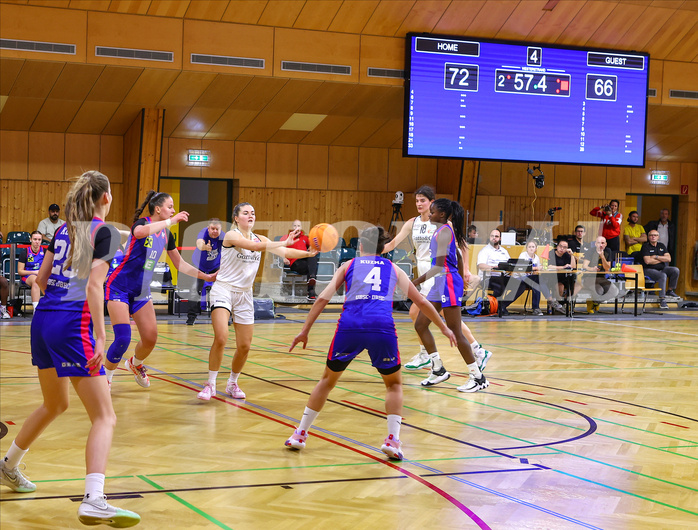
(53, 96)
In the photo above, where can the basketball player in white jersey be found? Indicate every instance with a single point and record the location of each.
(421, 230)
(231, 294)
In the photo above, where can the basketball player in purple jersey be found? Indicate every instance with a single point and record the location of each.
(366, 323)
(447, 291)
(128, 287)
(67, 342)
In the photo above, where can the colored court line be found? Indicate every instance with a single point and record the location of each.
(185, 503)
(462, 507)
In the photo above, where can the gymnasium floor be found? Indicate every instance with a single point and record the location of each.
(587, 423)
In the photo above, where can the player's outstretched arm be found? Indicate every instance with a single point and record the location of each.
(400, 237)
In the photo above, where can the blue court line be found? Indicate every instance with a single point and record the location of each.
(406, 461)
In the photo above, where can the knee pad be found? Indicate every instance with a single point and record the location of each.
(122, 340)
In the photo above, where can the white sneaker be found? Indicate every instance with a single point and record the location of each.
(473, 385)
(483, 359)
(96, 511)
(139, 373)
(3, 312)
(436, 377)
(232, 389)
(393, 448)
(208, 391)
(297, 440)
(421, 360)
(13, 479)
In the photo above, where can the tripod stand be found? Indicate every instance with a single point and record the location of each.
(397, 214)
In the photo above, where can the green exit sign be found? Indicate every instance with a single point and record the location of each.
(659, 178)
(198, 158)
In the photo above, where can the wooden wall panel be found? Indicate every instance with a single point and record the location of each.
(689, 177)
(234, 40)
(426, 172)
(14, 155)
(150, 152)
(130, 31)
(64, 26)
(46, 156)
(618, 182)
(282, 166)
(111, 159)
(222, 159)
(402, 172)
(81, 154)
(490, 178)
(567, 181)
(316, 47)
(250, 164)
(593, 183)
(373, 169)
(641, 179)
(679, 76)
(381, 52)
(132, 142)
(344, 168)
(313, 166)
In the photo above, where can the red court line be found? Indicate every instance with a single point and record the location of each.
(626, 413)
(577, 402)
(674, 424)
(462, 507)
(532, 392)
(16, 351)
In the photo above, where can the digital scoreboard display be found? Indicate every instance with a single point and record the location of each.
(496, 100)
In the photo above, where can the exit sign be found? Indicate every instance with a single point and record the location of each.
(659, 177)
(199, 157)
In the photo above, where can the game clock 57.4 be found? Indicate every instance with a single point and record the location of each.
(532, 83)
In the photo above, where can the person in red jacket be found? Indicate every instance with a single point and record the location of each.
(611, 219)
(306, 266)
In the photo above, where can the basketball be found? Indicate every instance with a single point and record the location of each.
(323, 237)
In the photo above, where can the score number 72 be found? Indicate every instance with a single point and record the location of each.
(461, 77)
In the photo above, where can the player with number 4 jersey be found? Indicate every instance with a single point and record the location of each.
(366, 323)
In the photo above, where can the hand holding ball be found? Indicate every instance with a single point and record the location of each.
(323, 237)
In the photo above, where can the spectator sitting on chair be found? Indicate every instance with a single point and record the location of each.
(634, 234)
(577, 243)
(472, 234)
(4, 291)
(597, 260)
(487, 259)
(306, 266)
(532, 280)
(48, 226)
(666, 229)
(563, 260)
(30, 260)
(657, 268)
(611, 219)
(207, 257)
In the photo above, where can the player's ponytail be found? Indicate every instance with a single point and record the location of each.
(88, 189)
(152, 199)
(455, 213)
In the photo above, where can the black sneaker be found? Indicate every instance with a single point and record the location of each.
(190, 320)
(311, 283)
(671, 294)
(663, 304)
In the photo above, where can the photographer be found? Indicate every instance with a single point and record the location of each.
(611, 219)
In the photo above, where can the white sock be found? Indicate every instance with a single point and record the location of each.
(478, 351)
(109, 373)
(34, 304)
(14, 456)
(307, 420)
(94, 486)
(475, 370)
(233, 377)
(436, 361)
(136, 361)
(422, 349)
(394, 422)
(212, 377)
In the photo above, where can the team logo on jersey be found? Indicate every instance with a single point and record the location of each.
(148, 243)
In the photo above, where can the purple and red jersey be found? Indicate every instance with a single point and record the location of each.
(448, 285)
(368, 304)
(32, 261)
(135, 272)
(64, 290)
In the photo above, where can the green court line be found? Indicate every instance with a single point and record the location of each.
(625, 492)
(577, 361)
(187, 504)
(81, 479)
(645, 430)
(679, 447)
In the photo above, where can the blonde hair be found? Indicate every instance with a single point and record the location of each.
(79, 211)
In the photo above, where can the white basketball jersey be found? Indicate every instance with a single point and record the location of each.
(421, 237)
(239, 266)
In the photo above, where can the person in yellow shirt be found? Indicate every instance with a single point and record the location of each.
(634, 233)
